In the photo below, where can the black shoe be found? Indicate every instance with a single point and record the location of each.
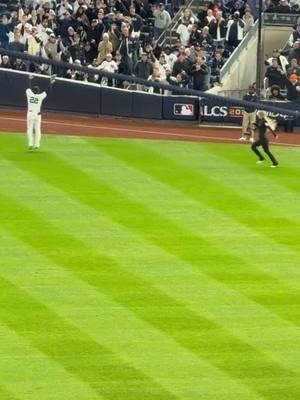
(30, 148)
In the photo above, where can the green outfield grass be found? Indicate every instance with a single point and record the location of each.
(148, 270)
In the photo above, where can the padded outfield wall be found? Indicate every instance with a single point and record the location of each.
(92, 99)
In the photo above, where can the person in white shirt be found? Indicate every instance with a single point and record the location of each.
(108, 65)
(162, 66)
(35, 99)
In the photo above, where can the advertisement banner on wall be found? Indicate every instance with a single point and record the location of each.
(180, 108)
(210, 112)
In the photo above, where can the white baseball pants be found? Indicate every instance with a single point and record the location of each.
(33, 125)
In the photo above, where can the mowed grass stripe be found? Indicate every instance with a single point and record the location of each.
(28, 374)
(244, 207)
(5, 395)
(199, 217)
(285, 178)
(76, 351)
(175, 368)
(89, 230)
(270, 184)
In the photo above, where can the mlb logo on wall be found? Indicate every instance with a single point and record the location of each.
(184, 109)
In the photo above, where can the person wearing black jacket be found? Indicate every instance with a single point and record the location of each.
(249, 116)
(218, 28)
(263, 124)
(199, 71)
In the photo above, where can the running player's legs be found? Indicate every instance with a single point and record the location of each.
(265, 146)
(30, 121)
(256, 151)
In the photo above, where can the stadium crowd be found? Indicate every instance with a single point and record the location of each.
(124, 36)
(282, 76)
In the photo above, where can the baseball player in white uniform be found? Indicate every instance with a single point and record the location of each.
(35, 99)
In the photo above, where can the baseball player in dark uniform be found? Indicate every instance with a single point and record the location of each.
(263, 125)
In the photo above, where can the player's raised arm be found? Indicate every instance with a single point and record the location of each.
(30, 78)
(52, 80)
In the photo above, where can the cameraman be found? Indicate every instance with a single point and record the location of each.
(235, 30)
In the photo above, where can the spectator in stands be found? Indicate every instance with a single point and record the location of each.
(16, 44)
(283, 7)
(184, 31)
(187, 17)
(206, 39)
(248, 20)
(181, 64)
(105, 47)
(95, 32)
(108, 65)
(5, 63)
(295, 51)
(195, 36)
(34, 42)
(281, 59)
(44, 11)
(53, 48)
(34, 19)
(219, 6)
(19, 65)
(162, 19)
(44, 30)
(269, 6)
(155, 77)
(6, 26)
(275, 74)
(293, 88)
(136, 20)
(94, 78)
(293, 69)
(180, 80)
(63, 7)
(24, 28)
(81, 18)
(76, 48)
(235, 30)
(295, 6)
(275, 93)
(217, 64)
(199, 72)
(209, 18)
(143, 69)
(90, 52)
(75, 74)
(128, 49)
(170, 57)
(225, 52)
(113, 36)
(162, 66)
(295, 35)
(217, 29)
